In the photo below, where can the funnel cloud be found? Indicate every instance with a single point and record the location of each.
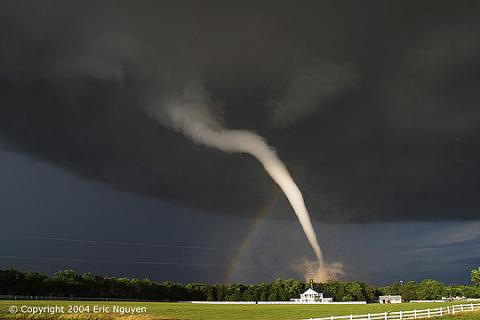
(190, 114)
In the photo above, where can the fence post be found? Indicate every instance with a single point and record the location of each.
(415, 314)
(471, 305)
(461, 307)
(386, 315)
(351, 316)
(400, 314)
(453, 309)
(441, 312)
(369, 316)
(331, 317)
(428, 312)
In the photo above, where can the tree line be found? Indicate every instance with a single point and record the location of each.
(67, 283)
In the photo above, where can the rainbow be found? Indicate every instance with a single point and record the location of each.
(264, 210)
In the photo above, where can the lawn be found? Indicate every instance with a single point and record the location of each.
(465, 316)
(186, 311)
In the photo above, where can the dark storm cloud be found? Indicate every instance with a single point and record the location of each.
(309, 89)
(375, 104)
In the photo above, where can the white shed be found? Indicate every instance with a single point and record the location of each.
(390, 299)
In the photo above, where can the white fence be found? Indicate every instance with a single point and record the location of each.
(274, 302)
(411, 314)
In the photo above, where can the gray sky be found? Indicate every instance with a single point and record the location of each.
(373, 107)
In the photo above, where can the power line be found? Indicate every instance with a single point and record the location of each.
(134, 262)
(136, 244)
(133, 244)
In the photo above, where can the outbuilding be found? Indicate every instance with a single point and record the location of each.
(390, 299)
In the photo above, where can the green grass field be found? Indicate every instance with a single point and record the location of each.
(186, 311)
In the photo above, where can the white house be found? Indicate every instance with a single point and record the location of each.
(311, 296)
(390, 299)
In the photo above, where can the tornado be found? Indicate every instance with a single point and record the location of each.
(181, 102)
(190, 114)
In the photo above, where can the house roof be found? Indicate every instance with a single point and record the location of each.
(310, 291)
(390, 297)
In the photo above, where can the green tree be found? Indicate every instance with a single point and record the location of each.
(66, 283)
(347, 297)
(475, 276)
(221, 292)
(431, 290)
(392, 290)
(273, 297)
(293, 288)
(371, 293)
(334, 289)
(235, 292)
(409, 291)
(210, 293)
(277, 290)
(264, 291)
(250, 294)
(354, 291)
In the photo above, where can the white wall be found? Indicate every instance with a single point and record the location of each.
(272, 302)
